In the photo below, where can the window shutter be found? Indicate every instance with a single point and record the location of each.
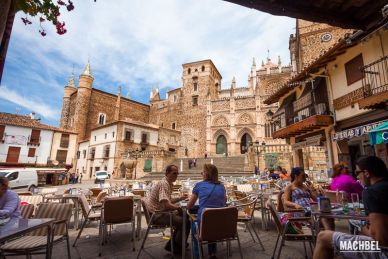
(2, 129)
(65, 140)
(31, 152)
(61, 156)
(35, 136)
(353, 71)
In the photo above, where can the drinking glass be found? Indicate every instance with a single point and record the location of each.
(356, 202)
(344, 202)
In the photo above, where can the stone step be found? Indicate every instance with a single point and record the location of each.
(193, 175)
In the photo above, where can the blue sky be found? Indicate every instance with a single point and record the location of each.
(135, 44)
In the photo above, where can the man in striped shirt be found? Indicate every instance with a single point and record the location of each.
(159, 199)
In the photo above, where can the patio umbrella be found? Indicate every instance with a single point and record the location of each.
(379, 134)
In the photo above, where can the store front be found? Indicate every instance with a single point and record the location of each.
(354, 142)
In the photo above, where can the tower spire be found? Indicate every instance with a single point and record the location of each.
(71, 82)
(87, 70)
(253, 62)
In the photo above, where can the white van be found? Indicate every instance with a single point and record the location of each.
(21, 179)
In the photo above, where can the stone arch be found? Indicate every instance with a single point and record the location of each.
(245, 118)
(246, 130)
(219, 133)
(220, 120)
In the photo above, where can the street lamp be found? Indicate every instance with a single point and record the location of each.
(259, 149)
(135, 154)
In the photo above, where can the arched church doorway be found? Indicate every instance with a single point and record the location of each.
(246, 139)
(222, 145)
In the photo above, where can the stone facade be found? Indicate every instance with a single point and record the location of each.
(311, 40)
(203, 112)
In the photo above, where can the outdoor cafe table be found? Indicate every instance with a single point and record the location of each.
(66, 197)
(316, 214)
(18, 227)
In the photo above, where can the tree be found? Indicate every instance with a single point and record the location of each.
(46, 10)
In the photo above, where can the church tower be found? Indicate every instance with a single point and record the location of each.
(69, 90)
(201, 82)
(82, 103)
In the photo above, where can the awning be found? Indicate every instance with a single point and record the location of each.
(379, 134)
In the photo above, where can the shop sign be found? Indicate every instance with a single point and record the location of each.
(356, 132)
(15, 140)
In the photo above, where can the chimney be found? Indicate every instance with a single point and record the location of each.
(32, 115)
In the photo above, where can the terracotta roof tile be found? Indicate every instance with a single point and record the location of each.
(26, 121)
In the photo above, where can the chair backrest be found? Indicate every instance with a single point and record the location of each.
(146, 212)
(58, 211)
(95, 191)
(118, 210)
(84, 205)
(25, 193)
(27, 210)
(332, 195)
(280, 206)
(275, 216)
(31, 199)
(101, 196)
(45, 191)
(141, 193)
(218, 223)
(244, 187)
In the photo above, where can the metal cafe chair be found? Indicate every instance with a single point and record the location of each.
(152, 225)
(26, 210)
(35, 242)
(88, 214)
(218, 225)
(306, 236)
(117, 210)
(246, 216)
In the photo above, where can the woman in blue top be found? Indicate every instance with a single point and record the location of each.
(211, 194)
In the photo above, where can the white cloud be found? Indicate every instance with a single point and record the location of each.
(27, 102)
(139, 43)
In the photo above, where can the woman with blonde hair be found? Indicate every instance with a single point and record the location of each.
(211, 194)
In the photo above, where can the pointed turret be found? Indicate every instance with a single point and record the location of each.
(233, 83)
(69, 90)
(155, 96)
(86, 78)
(253, 62)
(252, 77)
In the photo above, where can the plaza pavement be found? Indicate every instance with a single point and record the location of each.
(120, 246)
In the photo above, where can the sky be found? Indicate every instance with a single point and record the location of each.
(137, 45)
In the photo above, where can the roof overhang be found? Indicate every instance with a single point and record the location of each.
(360, 14)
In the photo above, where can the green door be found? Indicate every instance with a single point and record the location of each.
(222, 145)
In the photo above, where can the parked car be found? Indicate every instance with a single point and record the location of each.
(101, 176)
(21, 179)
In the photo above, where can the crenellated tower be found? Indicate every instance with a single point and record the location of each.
(82, 103)
(68, 91)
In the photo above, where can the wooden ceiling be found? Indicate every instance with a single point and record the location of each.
(355, 14)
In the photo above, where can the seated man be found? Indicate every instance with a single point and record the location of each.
(373, 173)
(9, 201)
(159, 199)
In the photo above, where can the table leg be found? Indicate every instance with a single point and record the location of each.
(48, 246)
(263, 221)
(184, 232)
(138, 216)
(76, 214)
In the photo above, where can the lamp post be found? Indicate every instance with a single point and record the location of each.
(135, 154)
(259, 149)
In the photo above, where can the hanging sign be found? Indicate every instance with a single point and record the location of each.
(356, 132)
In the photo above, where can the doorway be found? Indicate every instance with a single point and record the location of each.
(222, 145)
(13, 155)
(246, 139)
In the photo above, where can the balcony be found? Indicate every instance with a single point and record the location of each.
(302, 102)
(375, 85)
(33, 141)
(304, 126)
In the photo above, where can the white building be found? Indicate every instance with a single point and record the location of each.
(26, 141)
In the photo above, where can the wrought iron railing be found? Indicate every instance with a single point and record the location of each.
(375, 79)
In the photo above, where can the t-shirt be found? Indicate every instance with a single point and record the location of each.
(210, 195)
(375, 197)
(9, 205)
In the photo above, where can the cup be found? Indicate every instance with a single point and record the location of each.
(356, 202)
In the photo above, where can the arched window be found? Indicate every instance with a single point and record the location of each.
(189, 71)
(203, 68)
(101, 119)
